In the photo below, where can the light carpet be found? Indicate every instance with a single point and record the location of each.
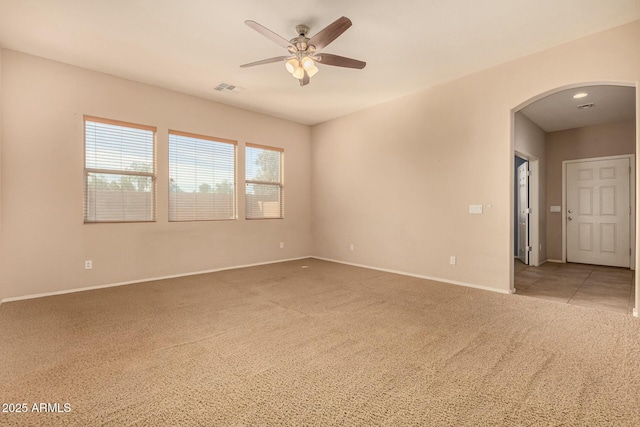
(325, 345)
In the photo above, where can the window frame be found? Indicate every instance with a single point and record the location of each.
(235, 172)
(87, 171)
(280, 184)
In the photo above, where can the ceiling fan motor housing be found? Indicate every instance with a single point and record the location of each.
(302, 30)
(301, 43)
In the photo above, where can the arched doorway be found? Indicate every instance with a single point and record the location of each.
(556, 128)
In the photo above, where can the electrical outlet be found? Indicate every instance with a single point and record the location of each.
(452, 260)
(88, 264)
(281, 245)
(352, 247)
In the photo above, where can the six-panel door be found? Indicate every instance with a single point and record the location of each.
(598, 210)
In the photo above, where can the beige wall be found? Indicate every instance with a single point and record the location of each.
(581, 143)
(529, 140)
(397, 179)
(44, 241)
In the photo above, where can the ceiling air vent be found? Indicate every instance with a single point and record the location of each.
(226, 87)
(585, 106)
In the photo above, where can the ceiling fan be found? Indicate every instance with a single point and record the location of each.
(304, 51)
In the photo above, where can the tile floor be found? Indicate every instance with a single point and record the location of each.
(605, 288)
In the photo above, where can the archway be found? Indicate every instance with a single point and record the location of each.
(550, 208)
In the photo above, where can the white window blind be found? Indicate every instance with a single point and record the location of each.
(119, 171)
(264, 190)
(202, 177)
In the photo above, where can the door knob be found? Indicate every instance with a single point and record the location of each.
(570, 211)
(569, 218)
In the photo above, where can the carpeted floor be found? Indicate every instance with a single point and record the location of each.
(324, 345)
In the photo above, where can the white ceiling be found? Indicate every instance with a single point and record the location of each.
(560, 111)
(193, 45)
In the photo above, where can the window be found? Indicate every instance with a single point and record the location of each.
(202, 177)
(264, 192)
(119, 174)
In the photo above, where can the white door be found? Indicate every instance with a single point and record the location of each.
(523, 212)
(598, 212)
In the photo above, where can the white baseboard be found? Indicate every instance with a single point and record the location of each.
(555, 260)
(635, 312)
(152, 279)
(419, 276)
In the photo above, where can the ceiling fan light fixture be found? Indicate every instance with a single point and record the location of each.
(307, 63)
(291, 65)
(312, 71)
(298, 73)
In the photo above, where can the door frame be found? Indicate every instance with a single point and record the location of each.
(632, 203)
(534, 205)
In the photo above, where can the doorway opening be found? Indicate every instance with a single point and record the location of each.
(587, 228)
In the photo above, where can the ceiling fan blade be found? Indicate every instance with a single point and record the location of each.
(265, 61)
(268, 34)
(305, 80)
(340, 61)
(330, 32)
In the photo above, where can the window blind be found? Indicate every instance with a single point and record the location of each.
(202, 184)
(119, 171)
(264, 196)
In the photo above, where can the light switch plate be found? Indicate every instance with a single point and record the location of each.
(475, 209)
(555, 208)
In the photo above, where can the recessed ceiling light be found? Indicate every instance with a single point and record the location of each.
(580, 95)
